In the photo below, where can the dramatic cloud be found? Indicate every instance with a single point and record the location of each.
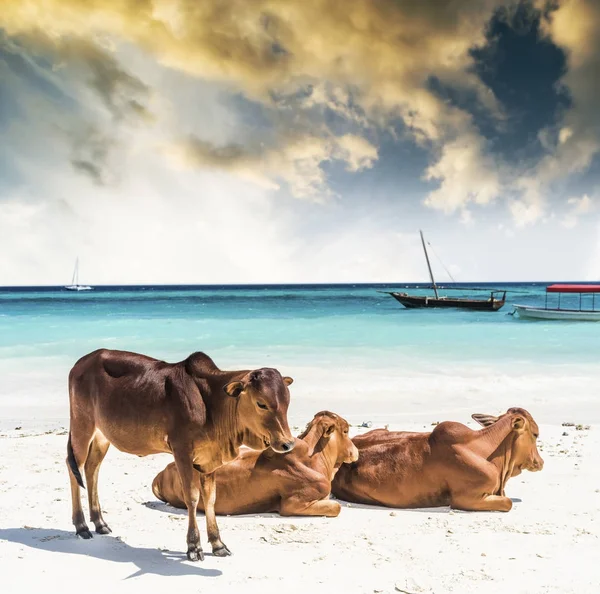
(296, 161)
(58, 66)
(121, 93)
(466, 174)
(573, 25)
(368, 62)
(174, 114)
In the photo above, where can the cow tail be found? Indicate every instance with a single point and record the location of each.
(73, 463)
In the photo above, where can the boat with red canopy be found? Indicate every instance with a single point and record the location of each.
(585, 312)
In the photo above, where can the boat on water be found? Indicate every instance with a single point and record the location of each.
(75, 286)
(495, 301)
(591, 314)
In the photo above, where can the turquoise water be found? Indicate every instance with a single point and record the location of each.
(303, 322)
(341, 329)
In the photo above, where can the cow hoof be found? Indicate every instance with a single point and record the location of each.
(222, 551)
(195, 553)
(103, 529)
(84, 533)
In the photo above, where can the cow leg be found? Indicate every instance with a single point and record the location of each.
(97, 451)
(208, 485)
(478, 490)
(295, 506)
(485, 503)
(81, 528)
(80, 437)
(190, 482)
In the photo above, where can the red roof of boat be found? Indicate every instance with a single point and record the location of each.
(573, 289)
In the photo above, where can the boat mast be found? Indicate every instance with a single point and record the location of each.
(429, 265)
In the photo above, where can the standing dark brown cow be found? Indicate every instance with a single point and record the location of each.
(452, 465)
(297, 483)
(192, 409)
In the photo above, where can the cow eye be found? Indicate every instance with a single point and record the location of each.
(536, 435)
(261, 405)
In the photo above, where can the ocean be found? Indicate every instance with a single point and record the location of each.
(350, 348)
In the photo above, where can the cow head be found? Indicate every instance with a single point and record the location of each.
(330, 435)
(264, 398)
(525, 452)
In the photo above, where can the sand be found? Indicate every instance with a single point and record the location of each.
(548, 543)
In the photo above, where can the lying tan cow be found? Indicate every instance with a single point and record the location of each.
(452, 465)
(192, 409)
(296, 483)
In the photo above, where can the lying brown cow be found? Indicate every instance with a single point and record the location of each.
(192, 409)
(452, 465)
(294, 484)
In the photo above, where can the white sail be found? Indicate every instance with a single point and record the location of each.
(75, 286)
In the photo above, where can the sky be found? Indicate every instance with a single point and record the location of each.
(298, 141)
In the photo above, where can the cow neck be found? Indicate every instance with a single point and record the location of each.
(500, 437)
(318, 452)
(227, 431)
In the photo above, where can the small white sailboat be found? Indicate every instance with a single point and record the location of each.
(75, 286)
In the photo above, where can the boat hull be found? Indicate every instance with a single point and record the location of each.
(540, 313)
(78, 288)
(413, 301)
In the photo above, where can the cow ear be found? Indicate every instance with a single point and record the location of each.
(328, 428)
(484, 420)
(233, 389)
(288, 381)
(518, 423)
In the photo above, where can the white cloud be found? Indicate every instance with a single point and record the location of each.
(466, 217)
(297, 161)
(465, 173)
(578, 207)
(188, 227)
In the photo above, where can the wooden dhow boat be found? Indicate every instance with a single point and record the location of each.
(496, 300)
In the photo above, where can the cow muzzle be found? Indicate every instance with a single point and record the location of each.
(353, 454)
(283, 447)
(534, 464)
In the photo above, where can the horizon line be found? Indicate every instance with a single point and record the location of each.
(299, 284)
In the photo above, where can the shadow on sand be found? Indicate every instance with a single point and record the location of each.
(445, 509)
(169, 509)
(176, 511)
(109, 548)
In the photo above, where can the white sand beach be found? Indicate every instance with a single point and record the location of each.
(548, 543)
